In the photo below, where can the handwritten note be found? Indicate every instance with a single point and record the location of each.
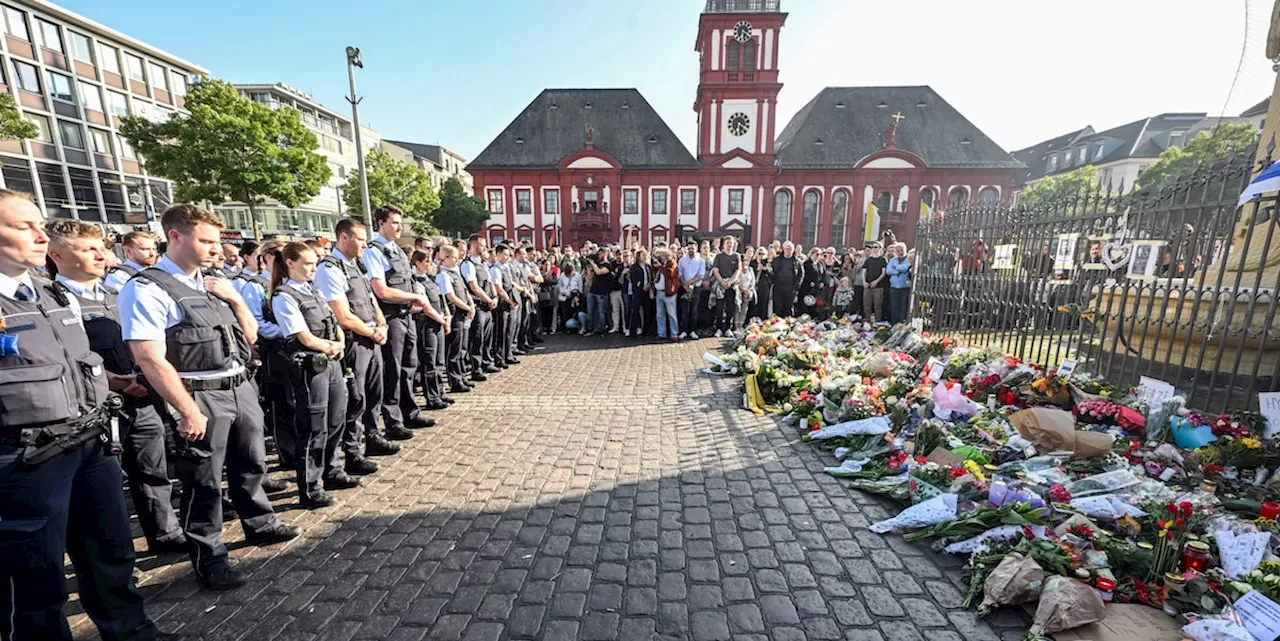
(1154, 390)
(1261, 615)
(1067, 367)
(1269, 405)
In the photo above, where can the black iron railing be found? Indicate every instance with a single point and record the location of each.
(743, 6)
(1177, 284)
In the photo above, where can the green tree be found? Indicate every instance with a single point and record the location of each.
(395, 182)
(12, 125)
(1207, 148)
(1061, 187)
(460, 213)
(231, 148)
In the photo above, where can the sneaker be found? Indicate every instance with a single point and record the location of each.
(278, 534)
(221, 579)
(316, 501)
(613, 331)
(684, 334)
(378, 445)
(341, 482)
(693, 335)
(718, 334)
(359, 466)
(675, 339)
(582, 332)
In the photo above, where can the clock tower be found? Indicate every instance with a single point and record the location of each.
(738, 76)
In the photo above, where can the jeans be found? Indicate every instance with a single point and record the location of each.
(596, 311)
(636, 302)
(689, 309)
(667, 313)
(898, 304)
(615, 310)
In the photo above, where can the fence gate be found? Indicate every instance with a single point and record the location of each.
(1176, 284)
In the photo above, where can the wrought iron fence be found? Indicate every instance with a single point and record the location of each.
(1176, 284)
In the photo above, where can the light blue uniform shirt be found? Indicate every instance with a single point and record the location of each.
(375, 261)
(288, 313)
(93, 292)
(9, 289)
(146, 311)
(255, 296)
(444, 283)
(332, 283)
(117, 278)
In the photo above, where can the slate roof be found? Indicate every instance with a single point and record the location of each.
(1145, 138)
(432, 153)
(554, 126)
(932, 130)
(1036, 156)
(1259, 109)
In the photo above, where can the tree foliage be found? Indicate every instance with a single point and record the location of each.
(460, 213)
(231, 148)
(1209, 147)
(1061, 187)
(395, 182)
(12, 125)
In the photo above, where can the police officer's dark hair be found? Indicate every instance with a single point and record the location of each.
(502, 248)
(248, 247)
(421, 241)
(418, 256)
(292, 251)
(474, 237)
(184, 217)
(346, 226)
(383, 213)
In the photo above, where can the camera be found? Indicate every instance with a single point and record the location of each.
(310, 362)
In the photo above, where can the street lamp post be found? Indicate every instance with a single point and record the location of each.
(353, 61)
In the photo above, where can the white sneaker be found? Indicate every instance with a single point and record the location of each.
(613, 331)
(718, 334)
(693, 335)
(684, 334)
(582, 332)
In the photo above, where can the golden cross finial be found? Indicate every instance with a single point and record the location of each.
(898, 117)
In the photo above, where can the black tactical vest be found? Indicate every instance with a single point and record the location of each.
(208, 338)
(482, 278)
(459, 285)
(359, 293)
(102, 324)
(315, 312)
(122, 267)
(48, 373)
(431, 290)
(511, 278)
(399, 275)
(253, 278)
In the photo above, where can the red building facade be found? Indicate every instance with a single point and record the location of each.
(602, 165)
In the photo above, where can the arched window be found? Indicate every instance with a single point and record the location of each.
(884, 202)
(956, 198)
(749, 55)
(734, 57)
(839, 217)
(782, 215)
(809, 221)
(927, 196)
(989, 196)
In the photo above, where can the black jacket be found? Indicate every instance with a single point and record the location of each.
(786, 272)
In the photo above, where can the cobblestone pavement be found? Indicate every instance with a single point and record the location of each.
(598, 491)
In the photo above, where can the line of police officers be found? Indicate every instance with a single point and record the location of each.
(340, 339)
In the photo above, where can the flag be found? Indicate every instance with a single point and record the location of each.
(1268, 180)
(925, 210)
(872, 222)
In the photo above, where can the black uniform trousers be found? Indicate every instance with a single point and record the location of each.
(70, 505)
(456, 344)
(364, 396)
(505, 321)
(234, 437)
(528, 326)
(321, 401)
(481, 338)
(277, 402)
(145, 462)
(399, 362)
(433, 363)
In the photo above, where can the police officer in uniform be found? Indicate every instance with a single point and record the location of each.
(453, 287)
(484, 299)
(314, 351)
(532, 279)
(59, 487)
(274, 392)
(342, 281)
(432, 327)
(233, 263)
(139, 253)
(391, 276)
(191, 336)
(506, 316)
(77, 257)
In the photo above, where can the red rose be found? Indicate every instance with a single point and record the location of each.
(1185, 507)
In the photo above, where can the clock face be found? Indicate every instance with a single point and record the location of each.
(739, 124)
(742, 31)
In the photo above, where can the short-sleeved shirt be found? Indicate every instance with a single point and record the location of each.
(875, 267)
(146, 311)
(375, 261)
(288, 313)
(332, 283)
(9, 289)
(255, 296)
(118, 277)
(726, 264)
(495, 275)
(444, 283)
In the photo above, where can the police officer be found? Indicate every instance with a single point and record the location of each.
(78, 259)
(314, 351)
(506, 316)
(139, 253)
(484, 299)
(529, 320)
(431, 324)
(453, 287)
(249, 259)
(232, 260)
(59, 488)
(273, 387)
(392, 279)
(190, 336)
(341, 280)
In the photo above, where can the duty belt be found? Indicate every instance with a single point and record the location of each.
(215, 384)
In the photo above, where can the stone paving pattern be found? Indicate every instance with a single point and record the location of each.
(600, 490)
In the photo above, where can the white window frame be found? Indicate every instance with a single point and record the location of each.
(72, 38)
(109, 59)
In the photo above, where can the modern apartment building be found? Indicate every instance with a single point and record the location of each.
(75, 79)
(337, 144)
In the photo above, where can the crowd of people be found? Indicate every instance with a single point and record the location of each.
(190, 357)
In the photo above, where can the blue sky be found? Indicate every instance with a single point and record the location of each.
(455, 72)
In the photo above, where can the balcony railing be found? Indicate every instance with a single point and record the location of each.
(743, 76)
(743, 6)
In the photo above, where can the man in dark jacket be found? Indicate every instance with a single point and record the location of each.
(786, 276)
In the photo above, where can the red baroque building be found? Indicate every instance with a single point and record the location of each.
(601, 164)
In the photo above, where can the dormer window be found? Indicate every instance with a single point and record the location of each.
(922, 104)
(966, 141)
(626, 105)
(554, 106)
(587, 106)
(653, 140)
(818, 142)
(840, 105)
(1097, 153)
(882, 105)
(519, 141)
